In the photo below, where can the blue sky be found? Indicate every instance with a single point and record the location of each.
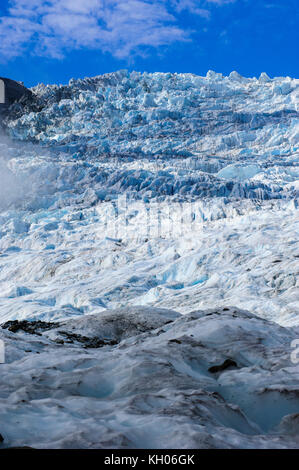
(51, 41)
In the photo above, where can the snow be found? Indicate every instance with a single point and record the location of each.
(239, 172)
(154, 388)
(128, 202)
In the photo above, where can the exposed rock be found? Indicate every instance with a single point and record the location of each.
(225, 365)
(32, 327)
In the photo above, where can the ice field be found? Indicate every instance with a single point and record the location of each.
(153, 220)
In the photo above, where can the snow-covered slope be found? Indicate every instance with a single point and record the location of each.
(235, 129)
(221, 152)
(161, 190)
(212, 379)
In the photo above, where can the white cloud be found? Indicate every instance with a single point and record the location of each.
(221, 2)
(121, 27)
(194, 6)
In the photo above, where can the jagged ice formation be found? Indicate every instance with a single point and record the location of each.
(82, 167)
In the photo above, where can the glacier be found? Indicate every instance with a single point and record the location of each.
(153, 217)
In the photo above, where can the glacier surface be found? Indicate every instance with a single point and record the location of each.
(207, 379)
(151, 194)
